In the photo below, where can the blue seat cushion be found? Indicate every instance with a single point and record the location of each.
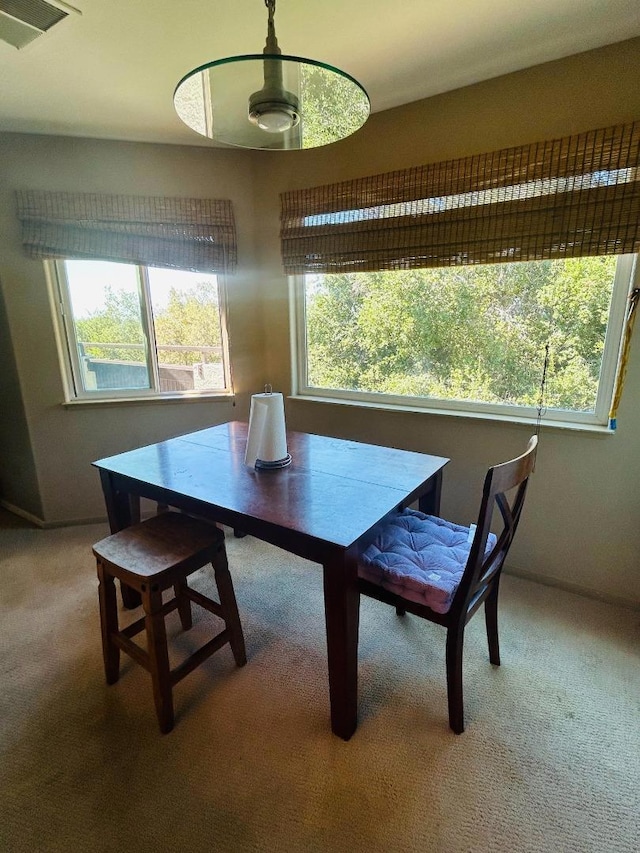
(420, 558)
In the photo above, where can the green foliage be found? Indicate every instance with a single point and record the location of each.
(464, 333)
(331, 107)
(118, 322)
(189, 319)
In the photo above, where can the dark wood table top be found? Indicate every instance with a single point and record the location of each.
(334, 491)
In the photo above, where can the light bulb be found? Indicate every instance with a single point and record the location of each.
(275, 121)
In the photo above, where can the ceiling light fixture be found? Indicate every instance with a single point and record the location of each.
(270, 100)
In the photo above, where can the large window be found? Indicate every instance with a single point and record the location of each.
(136, 331)
(441, 286)
(470, 339)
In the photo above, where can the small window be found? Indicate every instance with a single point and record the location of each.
(468, 339)
(135, 331)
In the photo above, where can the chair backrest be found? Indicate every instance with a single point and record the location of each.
(505, 488)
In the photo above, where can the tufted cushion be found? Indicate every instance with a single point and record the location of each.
(419, 557)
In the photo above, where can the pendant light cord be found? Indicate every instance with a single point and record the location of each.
(272, 42)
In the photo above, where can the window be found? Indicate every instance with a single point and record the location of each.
(440, 286)
(139, 331)
(470, 339)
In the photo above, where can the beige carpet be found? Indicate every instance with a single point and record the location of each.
(550, 760)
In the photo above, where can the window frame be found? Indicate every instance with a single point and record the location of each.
(626, 277)
(65, 334)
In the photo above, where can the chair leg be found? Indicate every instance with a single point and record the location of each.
(400, 611)
(491, 619)
(230, 606)
(455, 643)
(184, 604)
(108, 624)
(158, 657)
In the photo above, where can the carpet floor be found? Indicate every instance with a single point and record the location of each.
(550, 760)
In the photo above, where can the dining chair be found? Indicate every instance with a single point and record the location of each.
(443, 572)
(151, 557)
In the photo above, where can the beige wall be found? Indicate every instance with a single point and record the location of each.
(64, 440)
(580, 525)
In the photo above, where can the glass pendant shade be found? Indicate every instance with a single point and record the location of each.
(270, 100)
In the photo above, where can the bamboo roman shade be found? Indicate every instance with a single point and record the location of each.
(184, 233)
(567, 197)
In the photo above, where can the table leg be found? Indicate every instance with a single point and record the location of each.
(342, 614)
(122, 511)
(429, 502)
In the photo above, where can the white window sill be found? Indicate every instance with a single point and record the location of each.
(221, 397)
(577, 426)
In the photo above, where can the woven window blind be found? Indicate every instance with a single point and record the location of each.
(563, 198)
(192, 234)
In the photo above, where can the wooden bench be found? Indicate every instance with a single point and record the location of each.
(150, 557)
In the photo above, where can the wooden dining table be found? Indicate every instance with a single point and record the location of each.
(324, 507)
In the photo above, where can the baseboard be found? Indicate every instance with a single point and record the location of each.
(22, 513)
(576, 588)
(49, 525)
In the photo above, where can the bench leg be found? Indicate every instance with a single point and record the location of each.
(108, 624)
(184, 604)
(158, 657)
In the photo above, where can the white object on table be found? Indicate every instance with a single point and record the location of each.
(266, 438)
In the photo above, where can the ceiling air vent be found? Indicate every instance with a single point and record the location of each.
(21, 21)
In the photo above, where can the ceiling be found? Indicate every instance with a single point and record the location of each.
(110, 71)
